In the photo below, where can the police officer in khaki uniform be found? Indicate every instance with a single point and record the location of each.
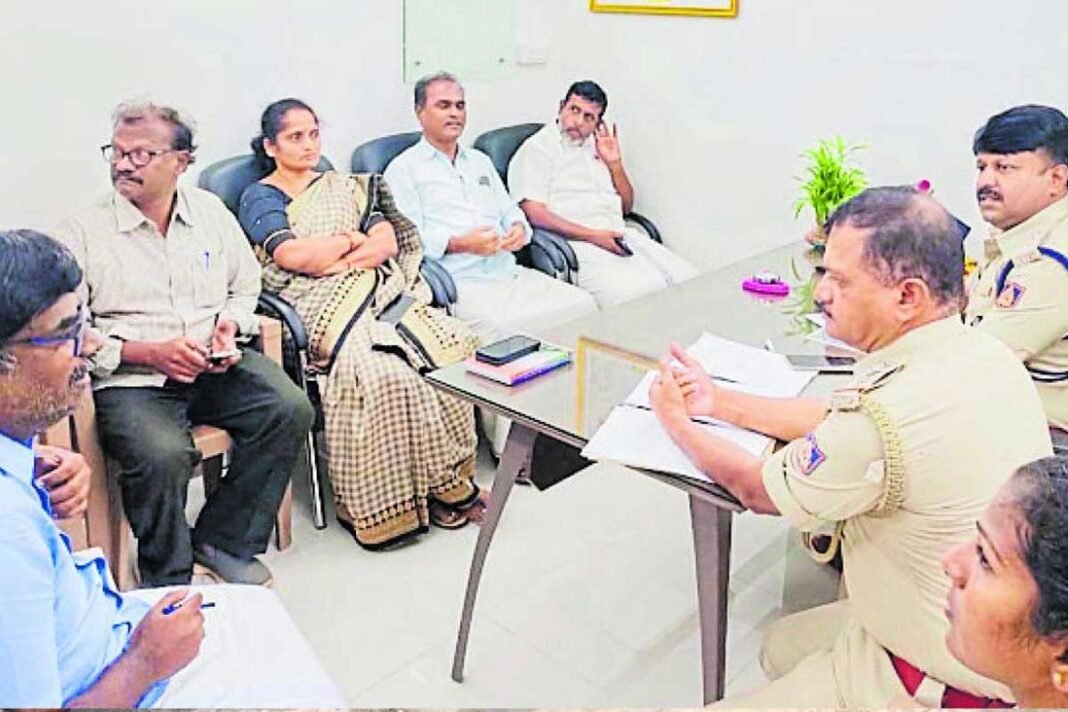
(905, 459)
(1020, 292)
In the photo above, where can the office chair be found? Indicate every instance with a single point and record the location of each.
(500, 145)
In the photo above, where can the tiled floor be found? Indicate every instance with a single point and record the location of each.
(588, 600)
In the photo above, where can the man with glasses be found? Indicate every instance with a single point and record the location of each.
(171, 283)
(1020, 292)
(70, 639)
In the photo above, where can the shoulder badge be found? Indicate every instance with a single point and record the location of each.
(877, 375)
(806, 455)
(1010, 295)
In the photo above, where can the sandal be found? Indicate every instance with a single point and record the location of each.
(446, 517)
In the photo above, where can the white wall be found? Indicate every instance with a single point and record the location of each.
(712, 113)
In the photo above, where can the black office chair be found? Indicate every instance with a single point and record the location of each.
(375, 155)
(228, 179)
(500, 145)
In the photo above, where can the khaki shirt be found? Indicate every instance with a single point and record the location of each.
(1031, 313)
(142, 286)
(572, 181)
(949, 413)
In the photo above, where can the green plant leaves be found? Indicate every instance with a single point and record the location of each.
(832, 178)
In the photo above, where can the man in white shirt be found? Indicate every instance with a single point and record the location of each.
(569, 179)
(467, 220)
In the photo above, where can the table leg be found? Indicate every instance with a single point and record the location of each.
(516, 454)
(712, 554)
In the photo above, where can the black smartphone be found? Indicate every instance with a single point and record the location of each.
(823, 364)
(624, 246)
(220, 356)
(507, 350)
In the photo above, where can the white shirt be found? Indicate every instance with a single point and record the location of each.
(142, 286)
(571, 180)
(446, 198)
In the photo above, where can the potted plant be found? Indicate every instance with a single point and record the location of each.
(833, 178)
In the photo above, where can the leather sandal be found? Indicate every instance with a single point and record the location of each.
(446, 517)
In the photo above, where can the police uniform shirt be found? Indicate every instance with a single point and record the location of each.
(1030, 313)
(909, 457)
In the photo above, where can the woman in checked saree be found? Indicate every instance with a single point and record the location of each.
(400, 453)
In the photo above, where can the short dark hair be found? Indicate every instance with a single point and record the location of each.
(271, 122)
(424, 82)
(910, 235)
(35, 271)
(1025, 128)
(129, 113)
(590, 91)
(1041, 493)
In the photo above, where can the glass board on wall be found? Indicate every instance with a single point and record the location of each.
(473, 39)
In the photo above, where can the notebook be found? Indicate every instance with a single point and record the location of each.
(523, 368)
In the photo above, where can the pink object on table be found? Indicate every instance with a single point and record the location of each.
(766, 283)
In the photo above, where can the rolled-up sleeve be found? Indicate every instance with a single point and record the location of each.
(29, 661)
(831, 474)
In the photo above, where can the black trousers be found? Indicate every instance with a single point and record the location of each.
(147, 431)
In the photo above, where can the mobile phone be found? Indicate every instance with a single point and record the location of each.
(823, 364)
(624, 246)
(220, 356)
(506, 350)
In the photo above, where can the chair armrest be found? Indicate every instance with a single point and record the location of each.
(271, 338)
(560, 244)
(275, 306)
(645, 224)
(440, 282)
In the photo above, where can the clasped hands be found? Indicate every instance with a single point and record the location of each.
(486, 240)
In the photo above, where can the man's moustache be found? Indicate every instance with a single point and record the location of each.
(115, 177)
(987, 193)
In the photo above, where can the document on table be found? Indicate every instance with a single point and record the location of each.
(633, 436)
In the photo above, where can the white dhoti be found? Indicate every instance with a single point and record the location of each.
(613, 279)
(252, 655)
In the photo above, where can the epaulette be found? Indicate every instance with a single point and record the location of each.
(849, 397)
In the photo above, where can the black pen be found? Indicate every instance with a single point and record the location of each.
(178, 604)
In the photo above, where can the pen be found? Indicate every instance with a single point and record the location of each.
(175, 606)
(207, 260)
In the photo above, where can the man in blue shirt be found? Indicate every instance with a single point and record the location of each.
(67, 636)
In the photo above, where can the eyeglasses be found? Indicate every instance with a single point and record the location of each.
(139, 157)
(75, 333)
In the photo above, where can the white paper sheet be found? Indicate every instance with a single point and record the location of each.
(634, 437)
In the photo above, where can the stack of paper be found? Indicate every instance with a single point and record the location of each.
(633, 436)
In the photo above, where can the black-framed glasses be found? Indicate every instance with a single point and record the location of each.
(139, 157)
(75, 333)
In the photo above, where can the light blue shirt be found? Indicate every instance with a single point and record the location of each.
(445, 199)
(62, 621)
